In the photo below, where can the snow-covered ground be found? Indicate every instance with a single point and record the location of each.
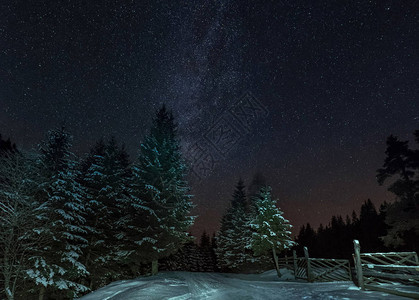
(189, 285)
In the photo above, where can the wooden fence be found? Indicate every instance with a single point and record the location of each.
(317, 269)
(388, 271)
(286, 262)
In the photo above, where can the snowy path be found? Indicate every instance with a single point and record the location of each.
(187, 285)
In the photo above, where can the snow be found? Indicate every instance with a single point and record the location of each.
(194, 285)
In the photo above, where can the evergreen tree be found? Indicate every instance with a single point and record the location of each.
(306, 238)
(204, 240)
(321, 242)
(369, 227)
(58, 266)
(105, 176)
(402, 216)
(190, 257)
(233, 240)
(339, 242)
(159, 181)
(271, 230)
(22, 219)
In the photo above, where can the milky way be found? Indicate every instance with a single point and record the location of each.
(335, 78)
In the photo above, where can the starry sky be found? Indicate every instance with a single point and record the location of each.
(334, 79)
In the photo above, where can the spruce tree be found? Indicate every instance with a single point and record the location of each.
(233, 240)
(105, 176)
(271, 230)
(306, 238)
(58, 267)
(160, 186)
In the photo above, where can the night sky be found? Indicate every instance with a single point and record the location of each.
(333, 78)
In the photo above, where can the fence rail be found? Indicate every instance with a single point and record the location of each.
(393, 272)
(331, 269)
(321, 269)
(286, 262)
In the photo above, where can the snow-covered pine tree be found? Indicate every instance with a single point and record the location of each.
(92, 178)
(234, 236)
(271, 230)
(105, 176)
(22, 219)
(58, 267)
(159, 181)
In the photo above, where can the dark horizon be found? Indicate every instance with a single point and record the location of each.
(209, 221)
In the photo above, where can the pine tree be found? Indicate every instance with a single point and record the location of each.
(402, 216)
(58, 266)
(369, 227)
(233, 239)
(271, 230)
(105, 176)
(306, 238)
(159, 181)
(213, 252)
(207, 253)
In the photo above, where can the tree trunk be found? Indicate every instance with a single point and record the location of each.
(154, 267)
(276, 261)
(41, 293)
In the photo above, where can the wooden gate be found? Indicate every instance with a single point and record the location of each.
(388, 271)
(321, 269)
(285, 262)
(300, 271)
(324, 269)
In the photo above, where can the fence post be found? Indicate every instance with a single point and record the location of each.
(309, 274)
(358, 265)
(294, 256)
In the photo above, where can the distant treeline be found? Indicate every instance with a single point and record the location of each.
(335, 240)
(394, 227)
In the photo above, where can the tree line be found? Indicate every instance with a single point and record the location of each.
(335, 240)
(252, 234)
(69, 224)
(194, 256)
(394, 227)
